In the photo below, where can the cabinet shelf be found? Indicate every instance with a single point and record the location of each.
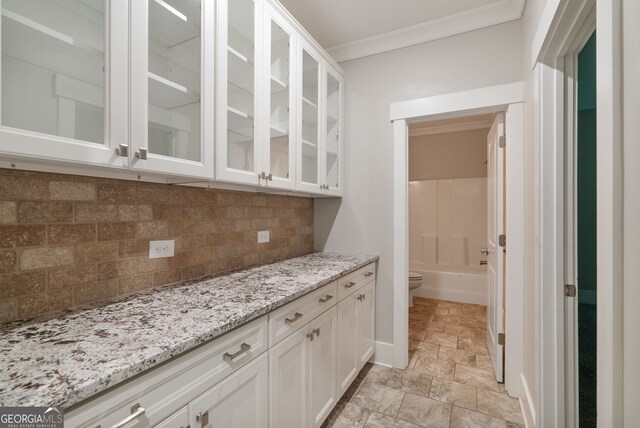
(168, 94)
(309, 149)
(172, 26)
(278, 132)
(309, 103)
(234, 53)
(277, 85)
(240, 122)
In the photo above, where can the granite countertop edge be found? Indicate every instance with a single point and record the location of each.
(68, 394)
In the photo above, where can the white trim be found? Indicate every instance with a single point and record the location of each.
(444, 129)
(400, 243)
(610, 235)
(441, 293)
(465, 103)
(526, 404)
(493, 99)
(383, 354)
(498, 12)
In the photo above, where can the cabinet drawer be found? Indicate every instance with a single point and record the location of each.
(293, 316)
(179, 419)
(356, 280)
(165, 389)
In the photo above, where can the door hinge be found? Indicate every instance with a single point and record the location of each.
(502, 141)
(502, 240)
(501, 339)
(570, 290)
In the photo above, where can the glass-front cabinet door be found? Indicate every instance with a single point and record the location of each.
(172, 86)
(64, 80)
(279, 155)
(332, 141)
(239, 60)
(309, 120)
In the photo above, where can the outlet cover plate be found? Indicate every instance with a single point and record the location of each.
(161, 249)
(263, 237)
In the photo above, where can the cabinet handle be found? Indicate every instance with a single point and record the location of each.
(230, 357)
(136, 411)
(349, 284)
(368, 274)
(122, 150)
(295, 318)
(360, 297)
(142, 153)
(316, 331)
(326, 299)
(310, 336)
(203, 418)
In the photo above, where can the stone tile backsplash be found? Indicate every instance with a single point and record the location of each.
(69, 240)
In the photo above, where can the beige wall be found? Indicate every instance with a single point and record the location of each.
(363, 220)
(69, 240)
(448, 156)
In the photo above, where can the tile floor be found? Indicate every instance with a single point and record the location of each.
(449, 382)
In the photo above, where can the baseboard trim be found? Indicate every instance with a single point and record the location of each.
(383, 354)
(451, 295)
(526, 405)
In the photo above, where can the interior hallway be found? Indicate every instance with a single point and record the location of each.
(449, 382)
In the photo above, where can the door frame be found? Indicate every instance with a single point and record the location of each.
(507, 98)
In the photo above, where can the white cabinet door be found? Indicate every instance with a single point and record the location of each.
(365, 324)
(238, 401)
(288, 369)
(280, 91)
(347, 342)
(179, 419)
(310, 133)
(332, 144)
(172, 87)
(239, 86)
(322, 367)
(64, 80)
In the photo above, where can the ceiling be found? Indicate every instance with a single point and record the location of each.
(351, 29)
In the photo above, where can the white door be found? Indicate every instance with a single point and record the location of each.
(288, 362)
(172, 83)
(365, 324)
(332, 159)
(238, 401)
(495, 256)
(322, 367)
(347, 344)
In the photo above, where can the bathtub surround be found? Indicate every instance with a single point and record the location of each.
(70, 240)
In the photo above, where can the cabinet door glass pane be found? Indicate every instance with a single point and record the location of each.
(240, 85)
(174, 78)
(53, 67)
(280, 89)
(310, 90)
(333, 131)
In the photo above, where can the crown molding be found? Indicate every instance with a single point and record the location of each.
(445, 129)
(492, 14)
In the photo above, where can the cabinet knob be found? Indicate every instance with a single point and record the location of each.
(349, 284)
(316, 331)
(310, 335)
(122, 150)
(141, 153)
(203, 418)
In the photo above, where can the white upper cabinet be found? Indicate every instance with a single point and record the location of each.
(172, 86)
(238, 70)
(279, 84)
(333, 136)
(64, 80)
(309, 120)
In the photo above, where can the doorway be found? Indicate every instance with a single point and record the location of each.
(504, 98)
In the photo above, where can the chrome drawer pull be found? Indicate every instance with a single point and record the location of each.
(136, 411)
(368, 274)
(230, 357)
(203, 418)
(326, 299)
(349, 284)
(295, 318)
(316, 331)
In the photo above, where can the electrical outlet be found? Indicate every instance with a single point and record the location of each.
(263, 236)
(161, 249)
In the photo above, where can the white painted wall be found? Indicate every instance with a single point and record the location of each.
(450, 155)
(447, 222)
(363, 220)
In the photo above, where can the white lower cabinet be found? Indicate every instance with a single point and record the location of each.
(179, 419)
(238, 401)
(356, 334)
(302, 376)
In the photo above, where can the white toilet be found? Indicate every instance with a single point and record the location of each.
(415, 281)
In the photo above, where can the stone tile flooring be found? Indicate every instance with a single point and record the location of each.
(449, 382)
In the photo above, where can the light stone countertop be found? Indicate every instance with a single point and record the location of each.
(66, 359)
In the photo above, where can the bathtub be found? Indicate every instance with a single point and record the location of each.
(466, 284)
